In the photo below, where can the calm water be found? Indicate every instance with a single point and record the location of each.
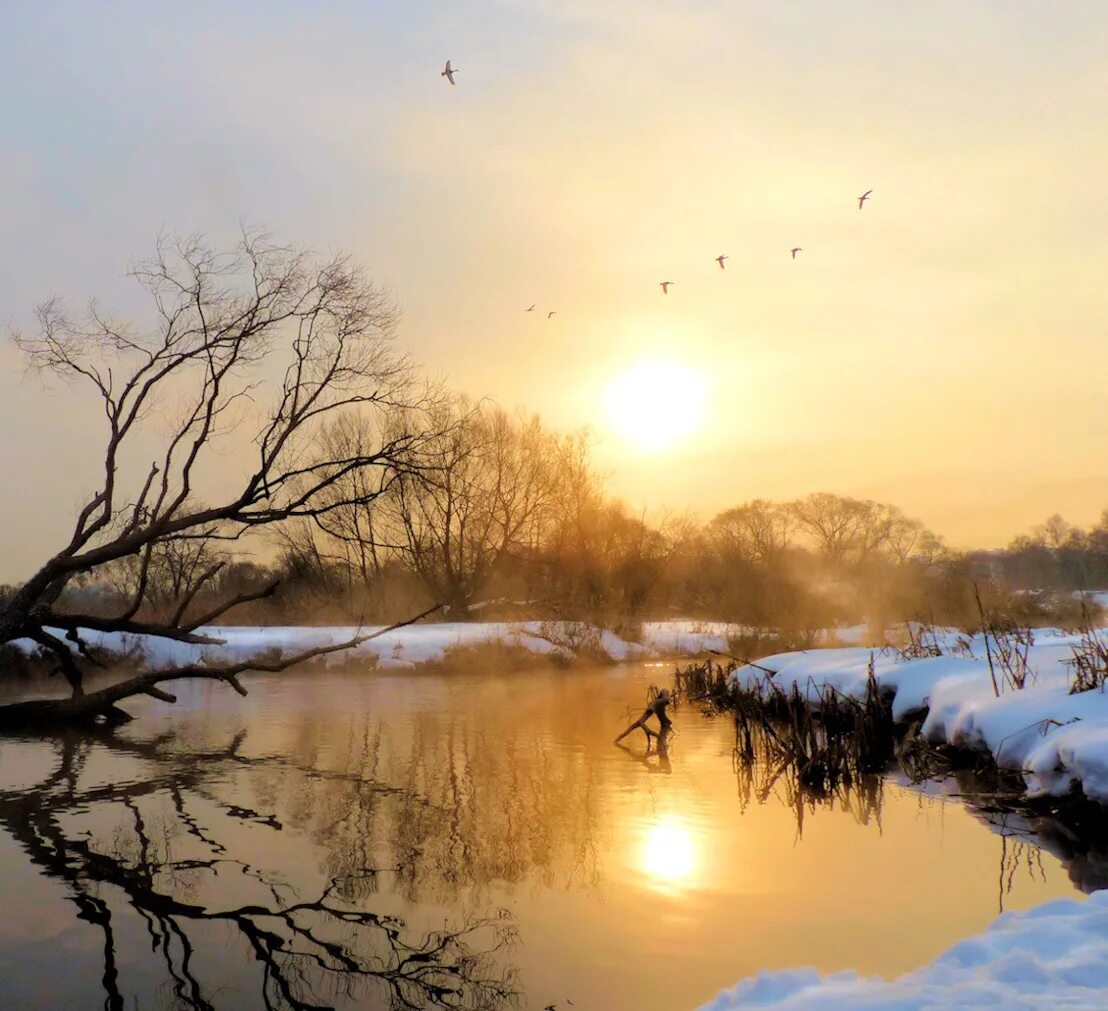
(362, 840)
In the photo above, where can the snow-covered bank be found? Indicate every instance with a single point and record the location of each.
(1058, 741)
(1053, 956)
(415, 645)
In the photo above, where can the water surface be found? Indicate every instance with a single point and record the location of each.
(363, 839)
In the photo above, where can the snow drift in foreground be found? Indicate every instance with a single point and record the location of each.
(1057, 740)
(1052, 956)
(418, 644)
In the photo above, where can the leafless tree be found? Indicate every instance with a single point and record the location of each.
(261, 341)
(849, 531)
(1055, 532)
(757, 531)
(489, 494)
(176, 570)
(342, 550)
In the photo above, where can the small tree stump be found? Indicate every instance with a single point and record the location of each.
(656, 707)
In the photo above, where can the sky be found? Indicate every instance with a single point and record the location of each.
(941, 349)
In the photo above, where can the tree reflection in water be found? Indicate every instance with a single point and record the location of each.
(467, 808)
(168, 864)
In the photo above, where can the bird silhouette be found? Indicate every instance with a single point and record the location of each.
(530, 308)
(795, 250)
(664, 285)
(863, 198)
(449, 72)
(551, 313)
(720, 259)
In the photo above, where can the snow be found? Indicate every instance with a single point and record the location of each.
(1052, 956)
(686, 638)
(1057, 740)
(409, 647)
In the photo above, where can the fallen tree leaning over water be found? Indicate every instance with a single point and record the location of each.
(229, 327)
(100, 706)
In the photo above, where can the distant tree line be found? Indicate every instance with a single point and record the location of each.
(271, 457)
(507, 519)
(1054, 555)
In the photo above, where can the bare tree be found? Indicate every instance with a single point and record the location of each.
(849, 531)
(261, 341)
(489, 494)
(176, 572)
(757, 531)
(341, 550)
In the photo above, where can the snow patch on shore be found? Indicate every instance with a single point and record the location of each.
(409, 647)
(1058, 741)
(1052, 956)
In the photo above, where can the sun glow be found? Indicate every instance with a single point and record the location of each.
(669, 855)
(656, 404)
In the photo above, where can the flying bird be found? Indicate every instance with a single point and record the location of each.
(551, 313)
(795, 250)
(720, 259)
(665, 286)
(530, 308)
(863, 198)
(449, 72)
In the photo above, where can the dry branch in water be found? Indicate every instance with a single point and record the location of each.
(264, 341)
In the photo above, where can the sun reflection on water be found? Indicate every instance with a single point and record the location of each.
(669, 852)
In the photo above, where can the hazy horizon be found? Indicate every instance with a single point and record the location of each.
(940, 350)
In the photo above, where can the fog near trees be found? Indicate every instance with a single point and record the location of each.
(506, 519)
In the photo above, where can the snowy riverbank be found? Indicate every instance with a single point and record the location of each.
(416, 645)
(1057, 740)
(1052, 956)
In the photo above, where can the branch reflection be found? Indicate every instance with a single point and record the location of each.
(162, 844)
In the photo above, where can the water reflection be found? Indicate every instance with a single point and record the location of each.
(1074, 832)
(161, 846)
(655, 758)
(305, 847)
(669, 854)
(764, 777)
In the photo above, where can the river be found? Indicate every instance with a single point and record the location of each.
(470, 840)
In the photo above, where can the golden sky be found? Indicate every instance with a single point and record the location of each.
(941, 349)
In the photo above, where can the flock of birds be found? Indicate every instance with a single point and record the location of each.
(449, 72)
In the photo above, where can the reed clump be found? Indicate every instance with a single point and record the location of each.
(828, 739)
(1089, 662)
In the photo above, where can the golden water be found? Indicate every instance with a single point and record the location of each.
(143, 869)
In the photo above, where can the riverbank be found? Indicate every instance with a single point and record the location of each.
(432, 646)
(1020, 705)
(1033, 704)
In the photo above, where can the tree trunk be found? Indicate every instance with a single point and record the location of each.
(100, 706)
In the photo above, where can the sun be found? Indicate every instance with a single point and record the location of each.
(657, 404)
